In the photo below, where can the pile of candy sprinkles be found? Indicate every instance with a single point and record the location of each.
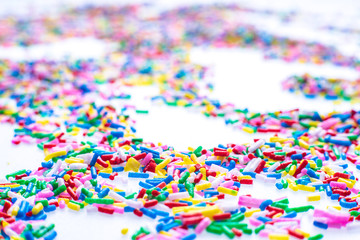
(71, 110)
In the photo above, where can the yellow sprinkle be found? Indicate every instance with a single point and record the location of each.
(126, 147)
(313, 198)
(304, 138)
(132, 165)
(203, 186)
(227, 191)
(4, 224)
(120, 205)
(124, 231)
(209, 212)
(292, 170)
(163, 164)
(244, 177)
(249, 213)
(16, 238)
(15, 210)
(277, 139)
(10, 185)
(178, 209)
(312, 163)
(335, 207)
(107, 170)
(73, 206)
(66, 177)
(165, 233)
(197, 201)
(194, 158)
(74, 160)
(66, 200)
(44, 121)
(306, 188)
(302, 232)
(192, 169)
(187, 160)
(177, 154)
(293, 187)
(203, 172)
(349, 183)
(277, 215)
(189, 95)
(328, 170)
(274, 236)
(37, 208)
(248, 129)
(312, 151)
(303, 144)
(161, 173)
(73, 133)
(55, 154)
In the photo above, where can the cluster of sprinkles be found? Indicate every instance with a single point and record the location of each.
(70, 110)
(329, 88)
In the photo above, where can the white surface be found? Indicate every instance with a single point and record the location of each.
(242, 77)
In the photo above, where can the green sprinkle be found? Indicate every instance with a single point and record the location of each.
(59, 190)
(214, 229)
(259, 228)
(99, 200)
(228, 232)
(316, 237)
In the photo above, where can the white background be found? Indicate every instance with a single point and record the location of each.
(241, 76)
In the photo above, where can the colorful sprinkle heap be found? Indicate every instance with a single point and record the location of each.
(70, 110)
(330, 88)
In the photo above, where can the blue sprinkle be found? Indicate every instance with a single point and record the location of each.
(328, 190)
(168, 179)
(104, 175)
(320, 225)
(94, 159)
(216, 162)
(117, 134)
(312, 174)
(264, 219)
(50, 208)
(104, 192)
(159, 227)
(128, 209)
(279, 186)
(148, 212)
(345, 204)
(274, 175)
(170, 226)
(265, 203)
(52, 235)
(166, 219)
(243, 209)
(189, 237)
(93, 172)
(160, 213)
(138, 175)
(291, 214)
(118, 169)
(145, 185)
(297, 156)
(335, 196)
(252, 174)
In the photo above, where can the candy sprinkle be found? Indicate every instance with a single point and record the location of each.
(70, 109)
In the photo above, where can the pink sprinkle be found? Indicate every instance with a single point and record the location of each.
(255, 222)
(202, 225)
(62, 204)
